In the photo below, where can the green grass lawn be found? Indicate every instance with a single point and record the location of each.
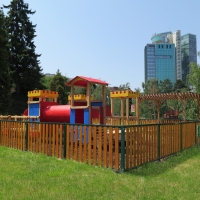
(24, 175)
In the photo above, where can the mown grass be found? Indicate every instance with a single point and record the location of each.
(24, 175)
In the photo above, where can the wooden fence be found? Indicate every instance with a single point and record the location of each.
(152, 142)
(120, 147)
(89, 144)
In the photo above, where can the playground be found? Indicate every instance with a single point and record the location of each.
(86, 130)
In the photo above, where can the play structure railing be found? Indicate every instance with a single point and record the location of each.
(161, 121)
(18, 118)
(117, 147)
(121, 120)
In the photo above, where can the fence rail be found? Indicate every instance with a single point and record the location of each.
(117, 147)
(119, 121)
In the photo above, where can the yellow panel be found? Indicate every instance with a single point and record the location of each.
(124, 94)
(42, 93)
(80, 97)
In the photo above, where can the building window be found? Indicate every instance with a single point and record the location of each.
(162, 46)
(167, 46)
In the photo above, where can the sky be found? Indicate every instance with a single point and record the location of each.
(105, 39)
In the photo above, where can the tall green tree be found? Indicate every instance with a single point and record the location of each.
(148, 108)
(179, 85)
(5, 77)
(58, 84)
(166, 86)
(151, 86)
(193, 78)
(23, 61)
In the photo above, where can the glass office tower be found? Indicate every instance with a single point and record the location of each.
(160, 62)
(188, 53)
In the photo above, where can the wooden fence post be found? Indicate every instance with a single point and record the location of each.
(122, 149)
(64, 142)
(26, 137)
(181, 136)
(0, 131)
(158, 141)
(196, 132)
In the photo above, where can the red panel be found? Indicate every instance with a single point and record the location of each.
(79, 116)
(108, 113)
(55, 113)
(95, 113)
(25, 112)
(84, 80)
(77, 103)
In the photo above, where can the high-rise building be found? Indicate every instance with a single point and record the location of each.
(160, 62)
(176, 39)
(188, 53)
(184, 52)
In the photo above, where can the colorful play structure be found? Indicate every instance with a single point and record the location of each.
(82, 109)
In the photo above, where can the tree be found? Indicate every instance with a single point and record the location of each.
(78, 90)
(151, 86)
(46, 82)
(148, 108)
(96, 92)
(58, 84)
(166, 86)
(125, 86)
(193, 78)
(23, 61)
(5, 77)
(179, 85)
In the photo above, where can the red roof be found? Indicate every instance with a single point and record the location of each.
(82, 81)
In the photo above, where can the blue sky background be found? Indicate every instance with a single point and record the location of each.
(105, 39)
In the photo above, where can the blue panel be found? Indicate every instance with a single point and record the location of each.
(96, 104)
(34, 109)
(86, 116)
(72, 116)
